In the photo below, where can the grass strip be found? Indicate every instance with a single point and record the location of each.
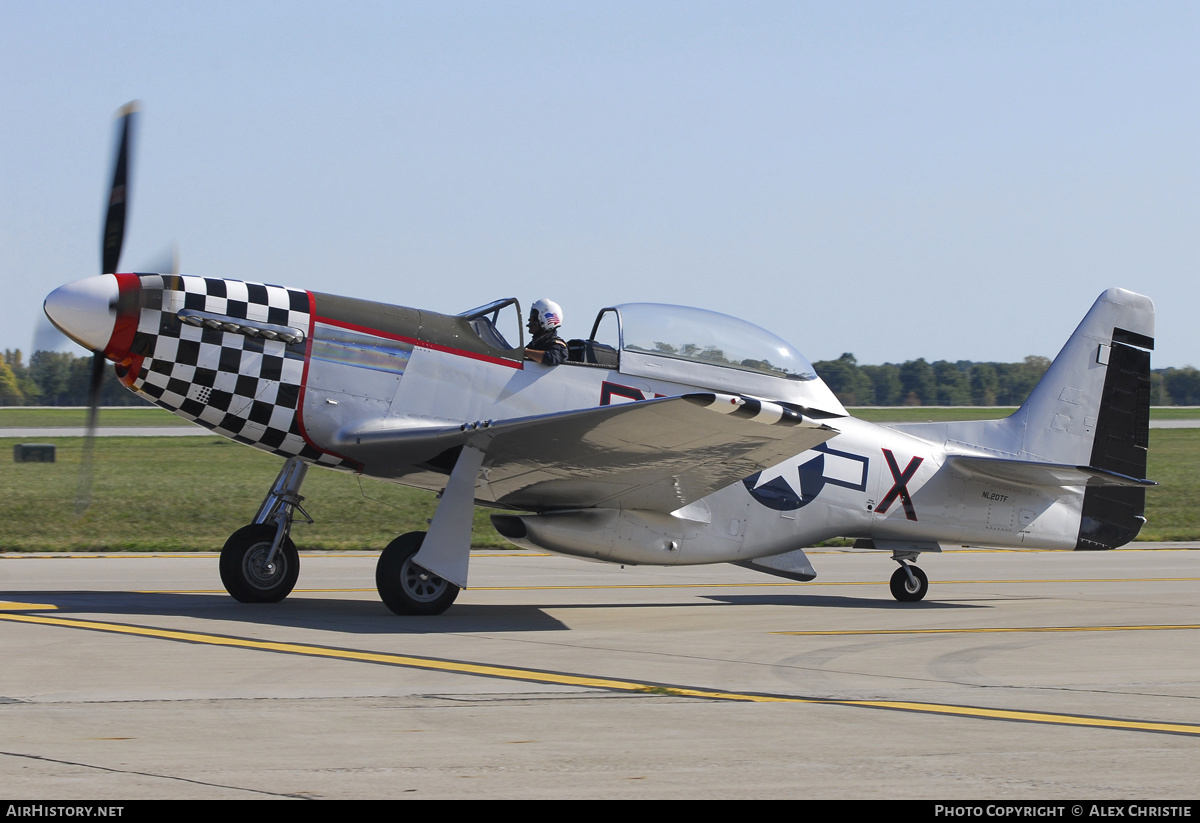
(180, 494)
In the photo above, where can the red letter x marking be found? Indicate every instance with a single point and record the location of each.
(900, 487)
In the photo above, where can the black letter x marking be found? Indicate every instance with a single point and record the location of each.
(900, 487)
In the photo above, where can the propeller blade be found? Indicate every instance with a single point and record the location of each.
(83, 493)
(110, 254)
(118, 195)
(167, 261)
(47, 337)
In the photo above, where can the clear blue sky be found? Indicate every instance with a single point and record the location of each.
(952, 180)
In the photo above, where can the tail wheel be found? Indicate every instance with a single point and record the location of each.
(245, 571)
(904, 589)
(405, 587)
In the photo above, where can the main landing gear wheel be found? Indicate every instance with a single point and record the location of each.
(903, 588)
(405, 587)
(245, 571)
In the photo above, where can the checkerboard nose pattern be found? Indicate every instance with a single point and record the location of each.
(237, 383)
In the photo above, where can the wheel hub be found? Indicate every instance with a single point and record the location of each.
(420, 584)
(260, 573)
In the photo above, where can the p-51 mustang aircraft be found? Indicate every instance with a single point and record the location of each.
(672, 436)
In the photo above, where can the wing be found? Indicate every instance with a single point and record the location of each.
(654, 454)
(1031, 473)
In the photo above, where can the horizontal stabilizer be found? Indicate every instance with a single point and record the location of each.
(1033, 473)
(656, 454)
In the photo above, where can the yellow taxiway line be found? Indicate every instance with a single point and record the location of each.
(586, 681)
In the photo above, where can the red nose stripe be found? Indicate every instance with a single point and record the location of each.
(129, 288)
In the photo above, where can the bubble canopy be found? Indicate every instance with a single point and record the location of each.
(708, 337)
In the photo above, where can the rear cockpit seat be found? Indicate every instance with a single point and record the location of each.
(592, 353)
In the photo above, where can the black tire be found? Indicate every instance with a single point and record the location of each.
(405, 587)
(242, 569)
(903, 590)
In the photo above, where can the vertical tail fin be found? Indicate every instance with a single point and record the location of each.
(1092, 408)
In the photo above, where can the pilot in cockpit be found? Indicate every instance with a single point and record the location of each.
(546, 347)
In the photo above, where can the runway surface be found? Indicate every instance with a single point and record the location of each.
(1031, 675)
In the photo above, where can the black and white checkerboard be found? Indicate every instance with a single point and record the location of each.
(246, 388)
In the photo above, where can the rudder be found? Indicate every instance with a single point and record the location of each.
(1112, 516)
(1092, 408)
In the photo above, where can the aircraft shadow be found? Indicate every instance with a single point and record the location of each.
(358, 617)
(836, 601)
(367, 617)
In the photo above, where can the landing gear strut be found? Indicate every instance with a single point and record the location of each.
(423, 572)
(909, 583)
(259, 563)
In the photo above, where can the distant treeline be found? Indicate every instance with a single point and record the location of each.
(54, 378)
(59, 379)
(966, 383)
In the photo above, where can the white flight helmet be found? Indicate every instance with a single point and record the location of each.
(547, 313)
